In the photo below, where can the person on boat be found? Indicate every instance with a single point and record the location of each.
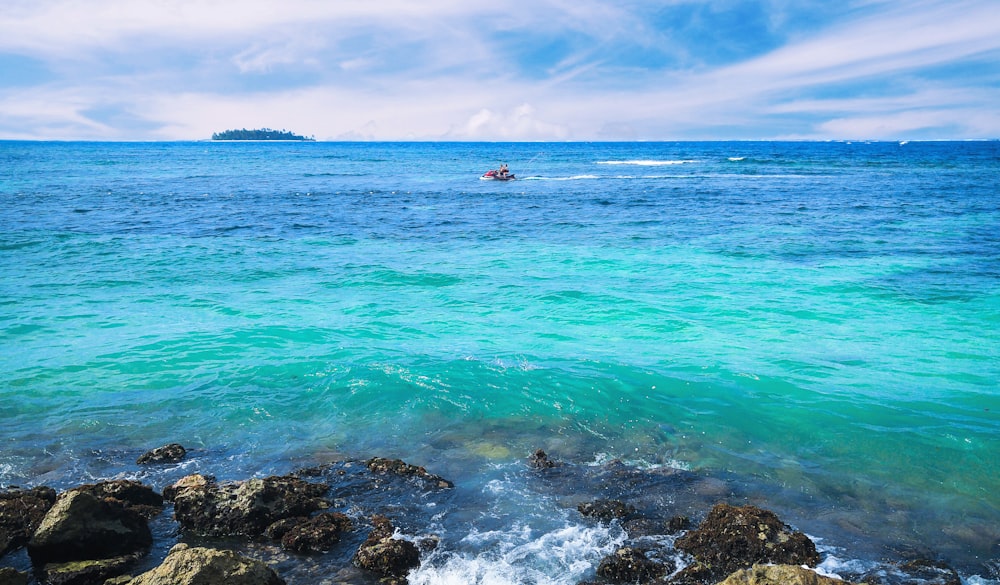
(504, 171)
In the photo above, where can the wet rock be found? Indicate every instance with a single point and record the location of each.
(131, 494)
(639, 527)
(280, 528)
(10, 576)
(403, 469)
(205, 566)
(171, 453)
(390, 557)
(606, 510)
(89, 572)
(631, 565)
(779, 575)
(242, 508)
(733, 538)
(540, 460)
(21, 511)
(80, 526)
(316, 534)
(930, 572)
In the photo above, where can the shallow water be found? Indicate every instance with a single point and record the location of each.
(813, 325)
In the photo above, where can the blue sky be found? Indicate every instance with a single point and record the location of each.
(477, 70)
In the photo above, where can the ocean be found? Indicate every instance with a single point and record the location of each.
(809, 327)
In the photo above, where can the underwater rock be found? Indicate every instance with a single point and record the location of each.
(316, 534)
(606, 510)
(242, 508)
(131, 494)
(403, 469)
(630, 565)
(186, 565)
(171, 453)
(639, 527)
(733, 538)
(80, 526)
(21, 511)
(779, 575)
(540, 460)
(88, 572)
(11, 576)
(390, 557)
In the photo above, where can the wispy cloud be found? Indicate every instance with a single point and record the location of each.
(550, 69)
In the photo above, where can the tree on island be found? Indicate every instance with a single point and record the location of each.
(259, 134)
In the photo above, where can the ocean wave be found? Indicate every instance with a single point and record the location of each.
(646, 163)
(737, 158)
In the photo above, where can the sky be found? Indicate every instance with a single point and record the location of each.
(519, 70)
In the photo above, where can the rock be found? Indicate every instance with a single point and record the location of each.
(390, 557)
(90, 572)
(316, 534)
(242, 508)
(630, 565)
(779, 575)
(539, 460)
(131, 494)
(21, 511)
(171, 453)
(639, 527)
(606, 510)
(930, 572)
(733, 538)
(280, 528)
(10, 576)
(403, 469)
(205, 566)
(80, 526)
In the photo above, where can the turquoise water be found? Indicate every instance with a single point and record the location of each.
(815, 323)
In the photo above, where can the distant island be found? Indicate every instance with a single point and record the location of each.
(259, 134)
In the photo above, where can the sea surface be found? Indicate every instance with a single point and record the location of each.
(810, 327)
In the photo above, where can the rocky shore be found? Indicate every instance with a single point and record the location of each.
(348, 514)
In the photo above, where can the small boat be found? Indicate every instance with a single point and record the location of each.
(497, 175)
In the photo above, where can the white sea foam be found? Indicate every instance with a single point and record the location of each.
(571, 178)
(646, 163)
(561, 556)
(737, 158)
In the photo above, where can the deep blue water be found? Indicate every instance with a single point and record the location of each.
(813, 325)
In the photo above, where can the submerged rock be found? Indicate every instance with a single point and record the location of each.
(80, 526)
(171, 453)
(631, 565)
(540, 460)
(242, 508)
(733, 538)
(390, 557)
(403, 469)
(21, 511)
(316, 534)
(205, 566)
(606, 510)
(779, 575)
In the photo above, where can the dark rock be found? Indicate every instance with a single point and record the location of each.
(930, 572)
(82, 527)
(606, 510)
(205, 566)
(171, 453)
(639, 527)
(316, 534)
(91, 572)
(278, 529)
(21, 511)
(733, 538)
(10, 576)
(131, 494)
(403, 469)
(390, 557)
(242, 508)
(539, 460)
(630, 565)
